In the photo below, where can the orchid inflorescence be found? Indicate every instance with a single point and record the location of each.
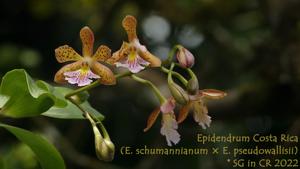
(135, 57)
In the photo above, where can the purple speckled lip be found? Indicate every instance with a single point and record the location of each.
(135, 65)
(80, 77)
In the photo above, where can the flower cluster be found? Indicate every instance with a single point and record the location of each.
(132, 55)
(191, 99)
(135, 57)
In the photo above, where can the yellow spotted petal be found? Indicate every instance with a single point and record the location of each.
(106, 75)
(87, 39)
(120, 54)
(212, 93)
(60, 77)
(152, 118)
(102, 53)
(129, 24)
(153, 60)
(66, 53)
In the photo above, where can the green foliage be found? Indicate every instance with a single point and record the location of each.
(18, 156)
(69, 110)
(46, 153)
(25, 98)
(21, 96)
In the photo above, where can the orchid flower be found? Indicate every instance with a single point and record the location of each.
(197, 104)
(132, 54)
(85, 67)
(169, 124)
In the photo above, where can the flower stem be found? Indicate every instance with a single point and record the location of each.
(89, 116)
(94, 84)
(158, 94)
(170, 80)
(121, 75)
(171, 55)
(103, 129)
(191, 73)
(177, 75)
(93, 120)
(90, 86)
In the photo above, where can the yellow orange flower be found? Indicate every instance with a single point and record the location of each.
(132, 54)
(85, 67)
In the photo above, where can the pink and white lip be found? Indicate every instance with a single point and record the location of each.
(135, 65)
(169, 124)
(169, 129)
(81, 77)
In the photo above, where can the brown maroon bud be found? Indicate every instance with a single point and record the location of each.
(185, 57)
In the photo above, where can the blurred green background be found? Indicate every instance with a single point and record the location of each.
(248, 48)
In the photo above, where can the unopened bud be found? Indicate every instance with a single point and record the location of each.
(105, 149)
(178, 93)
(185, 58)
(193, 86)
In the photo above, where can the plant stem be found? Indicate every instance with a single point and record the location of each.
(158, 94)
(86, 114)
(94, 84)
(177, 75)
(91, 118)
(90, 86)
(171, 55)
(191, 73)
(121, 75)
(78, 106)
(170, 80)
(103, 129)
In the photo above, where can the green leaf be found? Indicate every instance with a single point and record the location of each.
(70, 111)
(46, 153)
(20, 96)
(19, 156)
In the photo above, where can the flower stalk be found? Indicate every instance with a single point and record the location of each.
(104, 147)
(157, 93)
(175, 74)
(171, 54)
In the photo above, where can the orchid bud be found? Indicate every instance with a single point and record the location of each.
(193, 86)
(185, 57)
(179, 94)
(105, 149)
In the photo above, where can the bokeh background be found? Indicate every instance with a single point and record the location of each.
(249, 48)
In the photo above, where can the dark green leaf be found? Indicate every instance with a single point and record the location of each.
(70, 111)
(46, 153)
(20, 96)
